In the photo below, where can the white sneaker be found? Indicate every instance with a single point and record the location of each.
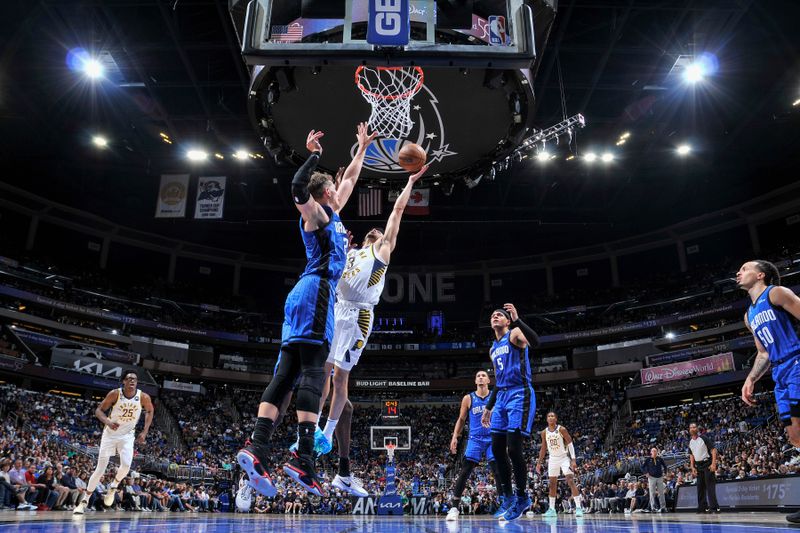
(627, 511)
(452, 514)
(350, 484)
(81, 507)
(108, 499)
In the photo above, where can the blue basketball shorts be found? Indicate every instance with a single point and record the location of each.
(514, 410)
(478, 448)
(787, 388)
(308, 312)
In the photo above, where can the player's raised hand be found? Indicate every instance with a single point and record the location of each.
(363, 135)
(512, 310)
(486, 418)
(454, 444)
(312, 141)
(418, 174)
(747, 393)
(337, 179)
(142, 438)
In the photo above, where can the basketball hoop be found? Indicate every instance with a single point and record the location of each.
(389, 91)
(390, 451)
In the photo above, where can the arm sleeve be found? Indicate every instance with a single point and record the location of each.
(302, 177)
(571, 450)
(530, 335)
(492, 399)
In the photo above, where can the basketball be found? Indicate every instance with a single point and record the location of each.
(412, 157)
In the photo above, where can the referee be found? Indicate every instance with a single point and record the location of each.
(703, 458)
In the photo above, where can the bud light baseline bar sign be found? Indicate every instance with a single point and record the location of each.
(388, 23)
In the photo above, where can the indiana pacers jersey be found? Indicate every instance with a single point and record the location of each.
(325, 248)
(774, 328)
(511, 365)
(477, 406)
(125, 412)
(555, 442)
(364, 277)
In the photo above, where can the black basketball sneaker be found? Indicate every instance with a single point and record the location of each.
(302, 471)
(257, 474)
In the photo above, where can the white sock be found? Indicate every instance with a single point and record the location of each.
(577, 501)
(330, 426)
(319, 415)
(553, 504)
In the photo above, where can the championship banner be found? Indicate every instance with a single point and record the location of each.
(172, 196)
(715, 364)
(210, 198)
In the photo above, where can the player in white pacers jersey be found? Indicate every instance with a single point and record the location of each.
(126, 404)
(557, 442)
(358, 292)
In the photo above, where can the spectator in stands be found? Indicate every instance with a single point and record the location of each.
(67, 480)
(7, 491)
(655, 468)
(703, 458)
(25, 492)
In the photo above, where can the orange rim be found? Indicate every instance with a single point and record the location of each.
(390, 96)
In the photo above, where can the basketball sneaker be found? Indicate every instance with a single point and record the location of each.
(257, 474)
(505, 505)
(350, 484)
(81, 507)
(579, 511)
(322, 446)
(521, 504)
(302, 471)
(794, 517)
(452, 514)
(108, 499)
(551, 513)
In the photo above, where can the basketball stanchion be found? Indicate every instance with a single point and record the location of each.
(390, 503)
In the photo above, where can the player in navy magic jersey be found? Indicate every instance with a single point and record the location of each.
(479, 441)
(511, 406)
(308, 318)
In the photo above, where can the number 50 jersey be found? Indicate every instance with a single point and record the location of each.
(774, 328)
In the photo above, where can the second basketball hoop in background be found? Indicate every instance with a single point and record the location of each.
(412, 157)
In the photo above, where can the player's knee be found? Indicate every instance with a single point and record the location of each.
(348, 408)
(514, 444)
(793, 432)
(310, 389)
(340, 378)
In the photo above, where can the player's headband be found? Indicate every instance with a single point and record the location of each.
(503, 312)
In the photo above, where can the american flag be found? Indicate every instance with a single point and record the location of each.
(370, 202)
(287, 33)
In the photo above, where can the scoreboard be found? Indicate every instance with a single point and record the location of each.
(391, 409)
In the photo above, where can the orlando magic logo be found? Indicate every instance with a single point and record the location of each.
(428, 132)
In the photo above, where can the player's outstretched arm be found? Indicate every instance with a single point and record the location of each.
(310, 210)
(147, 406)
(353, 171)
(107, 403)
(522, 335)
(462, 420)
(393, 224)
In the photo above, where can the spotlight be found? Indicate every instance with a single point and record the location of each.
(621, 142)
(670, 335)
(241, 155)
(694, 73)
(99, 141)
(92, 68)
(607, 157)
(590, 157)
(543, 157)
(684, 150)
(624, 136)
(219, 155)
(796, 103)
(196, 155)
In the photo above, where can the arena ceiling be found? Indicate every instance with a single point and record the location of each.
(173, 68)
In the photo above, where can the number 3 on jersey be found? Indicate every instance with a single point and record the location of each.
(765, 336)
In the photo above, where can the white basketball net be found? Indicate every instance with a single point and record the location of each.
(390, 452)
(389, 91)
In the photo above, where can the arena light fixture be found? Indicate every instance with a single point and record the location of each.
(684, 150)
(670, 335)
(796, 103)
(99, 141)
(624, 136)
(241, 155)
(543, 156)
(92, 68)
(607, 157)
(219, 155)
(196, 155)
(621, 142)
(694, 73)
(590, 157)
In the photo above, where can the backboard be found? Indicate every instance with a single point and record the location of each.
(380, 436)
(489, 33)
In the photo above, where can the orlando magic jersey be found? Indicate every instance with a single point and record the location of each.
(476, 408)
(774, 328)
(325, 248)
(511, 365)
(364, 277)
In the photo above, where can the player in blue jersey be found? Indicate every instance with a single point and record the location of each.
(479, 441)
(771, 319)
(511, 406)
(308, 318)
